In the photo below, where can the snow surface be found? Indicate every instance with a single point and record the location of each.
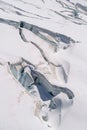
(19, 110)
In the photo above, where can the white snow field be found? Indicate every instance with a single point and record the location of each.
(52, 36)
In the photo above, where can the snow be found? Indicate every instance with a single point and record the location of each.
(19, 110)
(17, 107)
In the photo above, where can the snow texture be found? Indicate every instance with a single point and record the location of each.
(43, 64)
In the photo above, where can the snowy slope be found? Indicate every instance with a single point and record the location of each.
(47, 25)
